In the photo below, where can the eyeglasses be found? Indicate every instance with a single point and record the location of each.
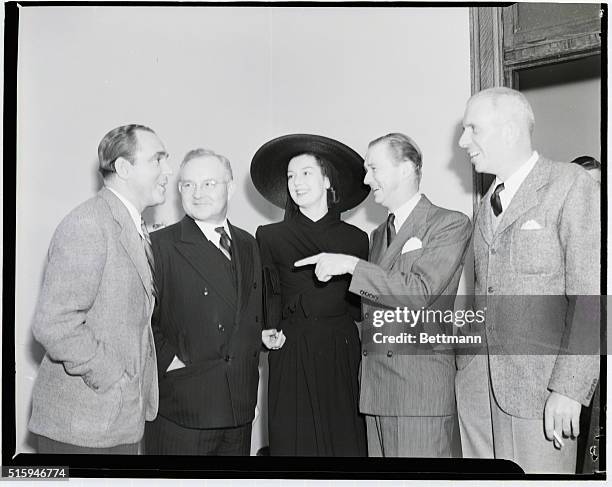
(207, 185)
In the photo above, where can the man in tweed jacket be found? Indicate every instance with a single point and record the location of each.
(537, 257)
(98, 379)
(407, 391)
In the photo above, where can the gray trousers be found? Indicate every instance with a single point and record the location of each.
(410, 436)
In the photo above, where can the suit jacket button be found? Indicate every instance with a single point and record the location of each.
(221, 328)
(254, 285)
(256, 319)
(367, 315)
(365, 353)
(389, 353)
(490, 290)
(493, 251)
(205, 292)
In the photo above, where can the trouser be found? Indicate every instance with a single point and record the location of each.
(49, 446)
(410, 436)
(164, 437)
(474, 408)
(522, 441)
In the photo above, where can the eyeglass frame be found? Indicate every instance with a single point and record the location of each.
(207, 186)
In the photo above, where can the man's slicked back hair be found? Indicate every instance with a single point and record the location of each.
(119, 142)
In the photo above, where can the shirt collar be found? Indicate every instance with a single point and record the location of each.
(404, 211)
(134, 213)
(513, 183)
(208, 229)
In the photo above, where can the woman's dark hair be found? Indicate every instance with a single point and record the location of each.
(327, 170)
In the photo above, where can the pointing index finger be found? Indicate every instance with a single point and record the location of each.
(313, 259)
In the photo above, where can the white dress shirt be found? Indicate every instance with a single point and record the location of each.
(403, 212)
(134, 213)
(208, 229)
(513, 183)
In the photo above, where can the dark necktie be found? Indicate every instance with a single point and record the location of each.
(225, 242)
(146, 242)
(496, 200)
(390, 229)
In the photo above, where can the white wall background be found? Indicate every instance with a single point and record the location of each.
(228, 79)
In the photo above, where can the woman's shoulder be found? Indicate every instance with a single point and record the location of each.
(352, 230)
(264, 231)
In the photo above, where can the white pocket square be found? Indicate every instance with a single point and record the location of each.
(531, 225)
(411, 244)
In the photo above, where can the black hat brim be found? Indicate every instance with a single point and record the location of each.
(269, 168)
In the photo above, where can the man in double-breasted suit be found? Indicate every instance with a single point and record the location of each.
(537, 257)
(208, 322)
(415, 263)
(97, 382)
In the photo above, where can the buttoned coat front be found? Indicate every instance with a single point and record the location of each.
(97, 381)
(537, 276)
(210, 317)
(405, 381)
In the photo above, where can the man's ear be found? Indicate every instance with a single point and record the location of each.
(511, 132)
(231, 188)
(123, 167)
(407, 169)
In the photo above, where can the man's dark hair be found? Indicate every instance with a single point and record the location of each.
(119, 142)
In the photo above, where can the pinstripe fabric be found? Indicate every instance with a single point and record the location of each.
(164, 437)
(410, 436)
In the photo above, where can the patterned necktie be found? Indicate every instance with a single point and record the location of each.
(146, 242)
(496, 200)
(390, 229)
(225, 242)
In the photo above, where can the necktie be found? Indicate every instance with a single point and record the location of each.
(496, 200)
(146, 242)
(225, 242)
(390, 229)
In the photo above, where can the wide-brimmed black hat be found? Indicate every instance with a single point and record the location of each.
(269, 168)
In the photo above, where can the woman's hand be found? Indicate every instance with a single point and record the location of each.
(273, 339)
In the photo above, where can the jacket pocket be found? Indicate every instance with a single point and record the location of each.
(535, 251)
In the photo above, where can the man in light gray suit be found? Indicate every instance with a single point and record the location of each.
(537, 257)
(415, 262)
(97, 382)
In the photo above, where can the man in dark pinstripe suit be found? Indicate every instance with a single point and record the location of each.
(207, 324)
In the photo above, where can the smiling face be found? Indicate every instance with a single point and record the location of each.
(484, 136)
(205, 188)
(147, 175)
(306, 183)
(385, 176)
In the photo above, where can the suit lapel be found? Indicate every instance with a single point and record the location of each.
(484, 216)
(410, 228)
(242, 257)
(526, 197)
(379, 244)
(206, 259)
(129, 238)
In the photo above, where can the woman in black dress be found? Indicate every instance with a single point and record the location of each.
(313, 389)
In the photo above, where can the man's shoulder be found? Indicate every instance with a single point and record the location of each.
(438, 214)
(93, 211)
(170, 232)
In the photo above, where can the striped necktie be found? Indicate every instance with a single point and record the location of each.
(224, 241)
(148, 248)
